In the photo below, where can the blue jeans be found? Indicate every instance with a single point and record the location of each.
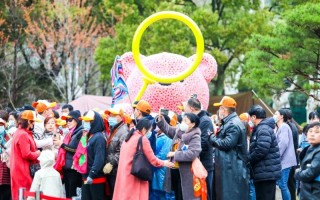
(209, 181)
(283, 184)
(252, 191)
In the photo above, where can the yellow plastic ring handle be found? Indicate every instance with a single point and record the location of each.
(167, 15)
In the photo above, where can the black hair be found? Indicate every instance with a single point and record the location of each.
(56, 114)
(23, 123)
(289, 113)
(193, 119)
(305, 129)
(167, 118)
(4, 115)
(258, 111)
(144, 114)
(194, 103)
(313, 125)
(179, 118)
(68, 106)
(283, 112)
(231, 110)
(313, 115)
(15, 114)
(142, 123)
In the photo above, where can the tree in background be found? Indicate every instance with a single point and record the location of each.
(19, 82)
(226, 26)
(288, 59)
(62, 37)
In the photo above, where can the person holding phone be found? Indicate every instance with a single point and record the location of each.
(186, 146)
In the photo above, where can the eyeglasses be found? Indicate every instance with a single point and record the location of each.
(69, 120)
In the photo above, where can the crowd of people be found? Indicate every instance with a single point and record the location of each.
(237, 156)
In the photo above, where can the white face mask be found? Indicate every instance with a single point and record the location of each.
(221, 115)
(184, 127)
(251, 124)
(276, 119)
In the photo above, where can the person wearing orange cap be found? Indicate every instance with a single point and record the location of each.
(43, 111)
(143, 110)
(23, 154)
(231, 174)
(118, 133)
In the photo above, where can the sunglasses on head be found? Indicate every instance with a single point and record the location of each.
(69, 120)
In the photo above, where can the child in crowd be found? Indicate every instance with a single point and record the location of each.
(47, 179)
(309, 172)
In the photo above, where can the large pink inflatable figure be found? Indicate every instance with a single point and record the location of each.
(168, 64)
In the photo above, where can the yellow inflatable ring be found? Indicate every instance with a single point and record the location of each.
(167, 15)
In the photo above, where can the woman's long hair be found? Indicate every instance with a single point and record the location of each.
(142, 123)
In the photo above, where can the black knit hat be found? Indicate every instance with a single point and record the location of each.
(75, 114)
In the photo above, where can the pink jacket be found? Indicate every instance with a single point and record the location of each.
(128, 186)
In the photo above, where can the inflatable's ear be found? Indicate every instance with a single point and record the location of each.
(128, 64)
(208, 66)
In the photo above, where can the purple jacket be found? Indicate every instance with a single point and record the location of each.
(286, 147)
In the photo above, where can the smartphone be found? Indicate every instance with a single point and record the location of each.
(164, 111)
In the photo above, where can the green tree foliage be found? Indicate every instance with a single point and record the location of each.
(225, 24)
(288, 59)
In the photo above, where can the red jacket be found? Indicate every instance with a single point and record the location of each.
(23, 153)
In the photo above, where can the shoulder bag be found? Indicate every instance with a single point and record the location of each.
(141, 167)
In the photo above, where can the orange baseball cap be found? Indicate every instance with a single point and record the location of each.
(144, 106)
(244, 117)
(115, 111)
(40, 107)
(227, 102)
(29, 115)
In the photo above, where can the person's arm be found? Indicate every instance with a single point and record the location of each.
(99, 158)
(193, 151)
(206, 128)
(283, 139)
(311, 172)
(147, 150)
(43, 142)
(229, 141)
(72, 148)
(262, 147)
(165, 127)
(25, 148)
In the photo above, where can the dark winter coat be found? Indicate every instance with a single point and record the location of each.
(183, 157)
(113, 148)
(231, 174)
(96, 148)
(264, 156)
(295, 136)
(309, 171)
(206, 128)
(72, 146)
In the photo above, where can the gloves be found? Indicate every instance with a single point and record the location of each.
(89, 180)
(107, 168)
